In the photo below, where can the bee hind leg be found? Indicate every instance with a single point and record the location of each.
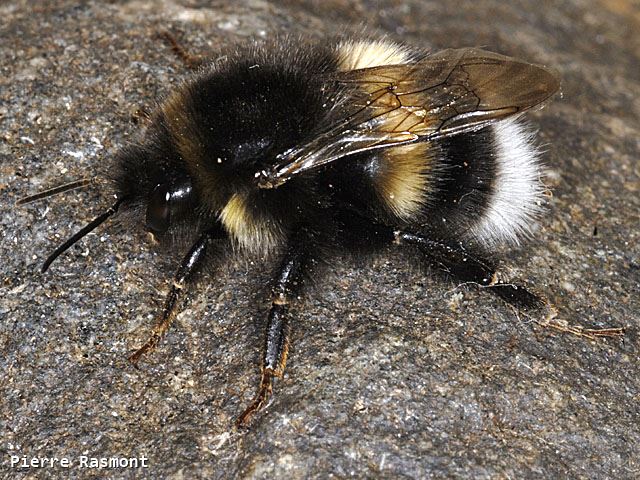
(287, 284)
(462, 265)
(457, 262)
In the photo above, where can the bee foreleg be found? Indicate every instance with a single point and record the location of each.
(287, 283)
(191, 61)
(191, 263)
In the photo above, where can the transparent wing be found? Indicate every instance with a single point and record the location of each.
(448, 93)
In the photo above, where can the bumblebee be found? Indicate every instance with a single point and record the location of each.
(295, 152)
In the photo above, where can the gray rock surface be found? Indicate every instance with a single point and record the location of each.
(392, 373)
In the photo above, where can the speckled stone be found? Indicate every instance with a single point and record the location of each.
(392, 373)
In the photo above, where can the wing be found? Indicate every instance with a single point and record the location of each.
(448, 93)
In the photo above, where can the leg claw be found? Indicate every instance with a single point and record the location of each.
(266, 387)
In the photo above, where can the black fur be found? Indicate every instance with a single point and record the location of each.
(466, 166)
(259, 102)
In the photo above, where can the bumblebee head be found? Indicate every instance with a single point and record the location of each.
(155, 190)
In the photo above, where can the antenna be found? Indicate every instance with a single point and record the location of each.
(81, 233)
(56, 190)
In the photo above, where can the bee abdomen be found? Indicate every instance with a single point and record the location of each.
(516, 198)
(488, 184)
(355, 54)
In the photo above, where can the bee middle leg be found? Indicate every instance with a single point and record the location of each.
(287, 284)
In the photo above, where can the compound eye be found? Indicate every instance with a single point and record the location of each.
(158, 209)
